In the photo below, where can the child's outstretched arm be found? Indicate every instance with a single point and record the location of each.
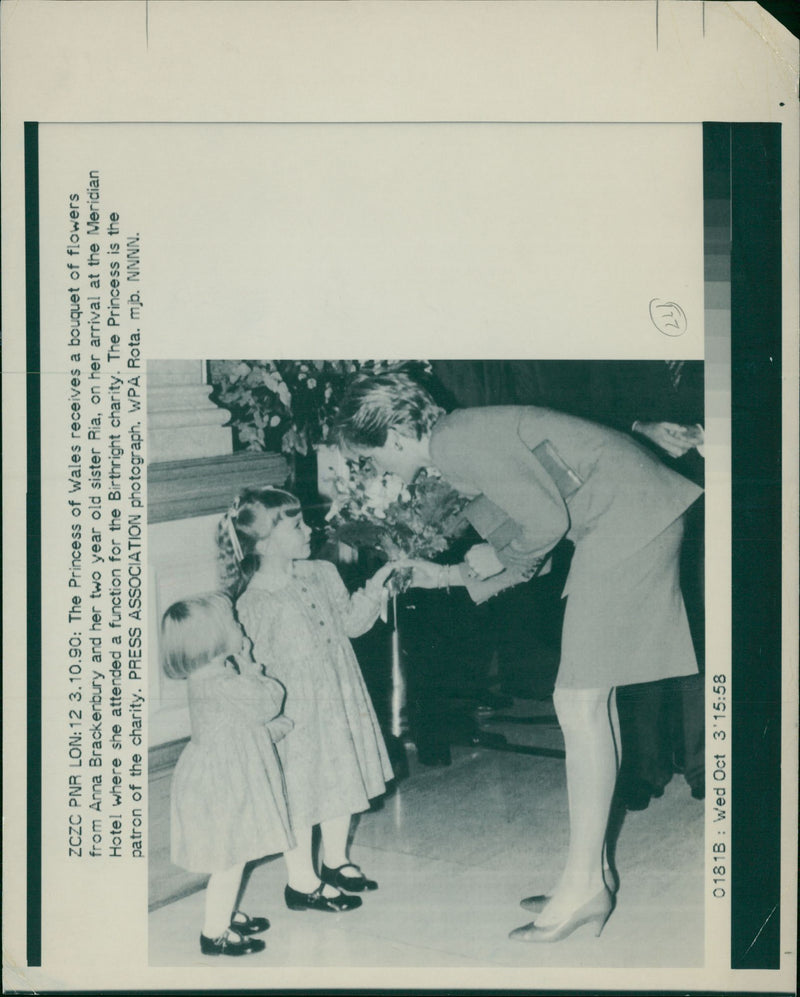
(361, 609)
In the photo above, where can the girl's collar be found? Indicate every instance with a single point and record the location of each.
(267, 581)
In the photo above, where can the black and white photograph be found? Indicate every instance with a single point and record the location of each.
(475, 589)
(472, 666)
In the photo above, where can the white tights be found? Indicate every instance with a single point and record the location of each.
(299, 864)
(223, 887)
(221, 894)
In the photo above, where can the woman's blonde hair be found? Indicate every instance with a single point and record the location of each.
(374, 404)
(195, 631)
(241, 528)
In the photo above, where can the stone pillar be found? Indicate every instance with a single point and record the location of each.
(181, 420)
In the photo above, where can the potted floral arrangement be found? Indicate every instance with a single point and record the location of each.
(288, 406)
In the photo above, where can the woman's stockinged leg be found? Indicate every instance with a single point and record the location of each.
(586, 720)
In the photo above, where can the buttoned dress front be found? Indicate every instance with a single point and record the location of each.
(334, 759)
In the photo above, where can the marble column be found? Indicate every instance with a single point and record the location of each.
(182, 421)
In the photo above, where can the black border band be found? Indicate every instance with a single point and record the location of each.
(756, 545)
(33, 521)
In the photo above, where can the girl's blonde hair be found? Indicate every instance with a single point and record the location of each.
(241, 528)
(195, 631)
(374, 404)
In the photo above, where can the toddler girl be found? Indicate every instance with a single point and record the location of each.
(299, 616)
(228, 798)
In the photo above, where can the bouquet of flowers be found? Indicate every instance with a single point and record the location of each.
(378, 512)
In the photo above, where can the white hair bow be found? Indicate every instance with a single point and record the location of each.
(237, 547)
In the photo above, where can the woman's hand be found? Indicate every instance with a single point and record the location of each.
(484, 561)
(427, 575)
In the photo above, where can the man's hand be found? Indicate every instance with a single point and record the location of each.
(670, 436)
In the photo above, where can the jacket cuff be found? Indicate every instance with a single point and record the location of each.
(525, 561)
(482, 589)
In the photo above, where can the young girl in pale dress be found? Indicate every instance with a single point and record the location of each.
(300, 618)
(228, 799)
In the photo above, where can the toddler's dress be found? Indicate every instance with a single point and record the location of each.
(334, 759)
(228, 796)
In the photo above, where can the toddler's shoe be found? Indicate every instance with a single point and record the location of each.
(230, 942)
(355, 884)
(317, 901)
(246, 925)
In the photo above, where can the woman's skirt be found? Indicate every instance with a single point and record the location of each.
(627, 623)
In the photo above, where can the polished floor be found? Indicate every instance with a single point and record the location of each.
(454, 849)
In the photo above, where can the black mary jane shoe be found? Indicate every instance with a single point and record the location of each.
(246, 925)
(355, 884)
(230, 942)
(317, 901)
